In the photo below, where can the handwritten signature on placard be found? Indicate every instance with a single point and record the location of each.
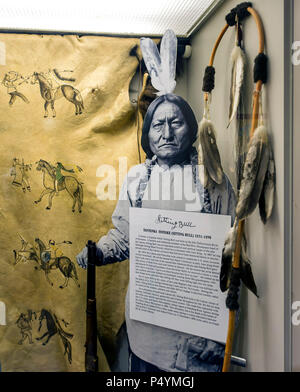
(174, 224)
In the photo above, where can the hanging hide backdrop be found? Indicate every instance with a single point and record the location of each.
(64, 112)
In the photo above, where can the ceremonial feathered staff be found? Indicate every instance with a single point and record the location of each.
(258, 179)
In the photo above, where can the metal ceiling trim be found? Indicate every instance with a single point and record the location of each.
(193, 29)
(203, 18)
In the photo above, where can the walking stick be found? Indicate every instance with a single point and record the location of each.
(91, 358)
(241, 10)
(139, 114)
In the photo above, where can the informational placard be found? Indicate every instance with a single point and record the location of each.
(175, 260)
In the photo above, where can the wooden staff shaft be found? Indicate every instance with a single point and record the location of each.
(212, 57)
(139, 115)
(229, 342)
(232, 313)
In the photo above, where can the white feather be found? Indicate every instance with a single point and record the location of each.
(168, 54)
(266, 200)
(152, 60)
(238, 61)
(206, 140)
(230, 241)
(254, 172)
(161, 66)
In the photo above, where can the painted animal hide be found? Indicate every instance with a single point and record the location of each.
(64, 112)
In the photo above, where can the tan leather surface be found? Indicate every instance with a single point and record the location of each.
(104, 131)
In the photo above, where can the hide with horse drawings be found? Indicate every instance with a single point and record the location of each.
(65, 111)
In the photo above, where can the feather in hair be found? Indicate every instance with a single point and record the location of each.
(266, 200)
(238, 61)
(254, 172)
(161, 66)
(152, 60)
(168, 54)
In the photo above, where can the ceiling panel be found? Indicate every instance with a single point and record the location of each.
(115, 17)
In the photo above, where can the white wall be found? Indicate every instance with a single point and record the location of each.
(260, 336)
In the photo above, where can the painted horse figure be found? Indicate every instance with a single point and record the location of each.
(53, 327)
(63, 263)
(50, 94)
(24, 255)
(68, 183)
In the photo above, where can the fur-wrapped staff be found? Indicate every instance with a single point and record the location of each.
(253, 174)
(258, 181)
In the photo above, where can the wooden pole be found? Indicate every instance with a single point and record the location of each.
(139, 115)
(212, 57)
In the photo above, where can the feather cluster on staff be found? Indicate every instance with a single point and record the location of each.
(240, 141)
(206, 142)
(245, 269)
(254, 172)
(210, 152)
(246, 274)
(266, 200)
(226, 265)
(236, 108)
(238, 61)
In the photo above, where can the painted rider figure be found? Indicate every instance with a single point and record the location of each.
(54, 83)
(58, 174)
(54, 250)
(21, 178)
(11, 80)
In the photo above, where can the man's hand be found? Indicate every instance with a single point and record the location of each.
(82, 257)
